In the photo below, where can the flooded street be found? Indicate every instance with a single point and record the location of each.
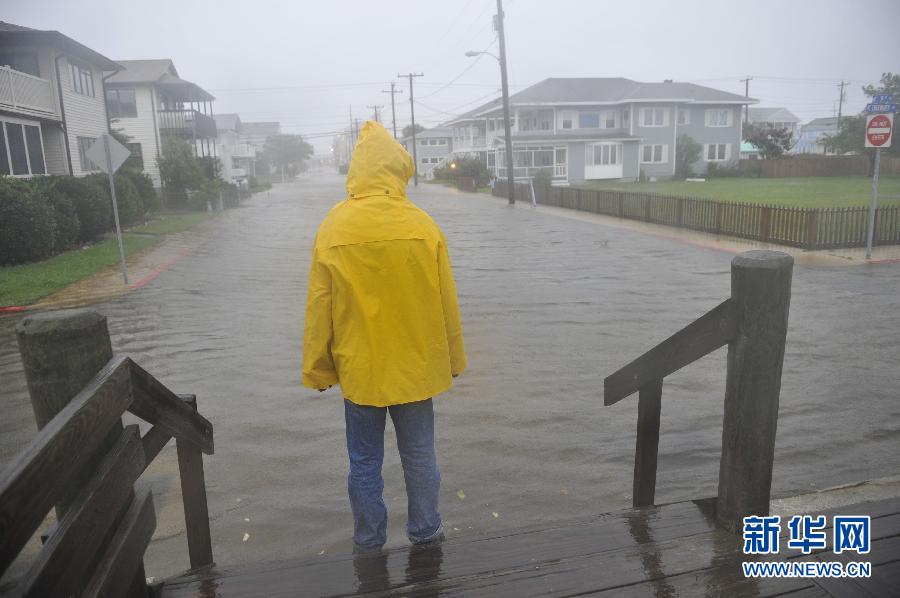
(550, 306)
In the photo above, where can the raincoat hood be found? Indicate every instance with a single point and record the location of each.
(379, 166)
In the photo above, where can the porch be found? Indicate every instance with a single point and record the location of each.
(26, 94)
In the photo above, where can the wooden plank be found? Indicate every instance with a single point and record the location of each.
(38, 475)
(196, 513)
(647, 443)
(125, 552)
(714, 329)
(154, 441)
(155, 403)
(65, 560)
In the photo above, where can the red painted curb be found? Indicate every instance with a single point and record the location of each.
(158, 270)
(12, 308)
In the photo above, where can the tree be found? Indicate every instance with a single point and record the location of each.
(770, 141)
(687, 151)
(288, 152)
(408, 131)
(852, 134)
(179, 168)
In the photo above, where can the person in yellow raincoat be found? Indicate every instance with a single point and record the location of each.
(382, 320)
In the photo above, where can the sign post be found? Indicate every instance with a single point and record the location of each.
(879, 129)
(108, 155)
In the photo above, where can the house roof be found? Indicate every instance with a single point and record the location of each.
(607, 90)
(228, 122)
(826, 122)
(158, 72)
(435, 132)
(772, 115)
(261, 128)
(11, 34)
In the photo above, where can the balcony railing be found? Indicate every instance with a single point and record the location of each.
(189, 123)
(559, 171)
(26, 93)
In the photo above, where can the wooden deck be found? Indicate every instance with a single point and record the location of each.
(669, 550)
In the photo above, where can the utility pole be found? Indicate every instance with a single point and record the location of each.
(746, 83)
(412, 115)
(507, 129)
(393, 92)
(375, 108)
(840, 103)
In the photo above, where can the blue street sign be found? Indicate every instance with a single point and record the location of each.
(883, 99)
(881, 107)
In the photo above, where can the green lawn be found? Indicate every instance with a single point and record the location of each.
(26, 283)
(175, 222)
(811, 192)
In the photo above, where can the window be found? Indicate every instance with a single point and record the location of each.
(684, 116)
(24, 62)
(603, 154)
(82, 79)
(137, 157)
(609, 119)
(84, 144)
(588, 120)
(121, 103)
(653, 154)
(717, 152)
(35, 149)
(626, 117)
(566, 120)
(718, 118)
(653, 117)
(17, 154)
(4, 155)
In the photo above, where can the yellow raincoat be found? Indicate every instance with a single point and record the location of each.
(382, 317)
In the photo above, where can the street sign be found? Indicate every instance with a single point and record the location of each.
(883, 99)
(878, 130)
(892, 108)
(118, 153)
(108, 154)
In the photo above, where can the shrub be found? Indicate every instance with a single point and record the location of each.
(718, 171)
(128, 200)
(206, 195)
(144, 186)
(27, 226)
(65, 216)
(543, 178)
(89, 197)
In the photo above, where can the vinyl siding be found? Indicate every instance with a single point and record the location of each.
(54, 148)
(142, 128)
(704, 135)
(85, 115)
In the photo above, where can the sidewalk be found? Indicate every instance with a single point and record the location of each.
(142, 267)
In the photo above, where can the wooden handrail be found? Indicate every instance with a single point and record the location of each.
(714, 329)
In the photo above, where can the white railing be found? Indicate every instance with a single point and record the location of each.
(26, 93)
(560, 171)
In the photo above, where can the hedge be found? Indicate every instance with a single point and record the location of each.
(49, 214)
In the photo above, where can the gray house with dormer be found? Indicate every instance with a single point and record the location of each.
(603, 128)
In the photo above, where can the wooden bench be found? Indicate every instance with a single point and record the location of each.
(84, 462)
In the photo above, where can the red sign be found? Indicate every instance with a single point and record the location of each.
(878, 130)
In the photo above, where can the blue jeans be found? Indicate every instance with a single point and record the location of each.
(414, 424)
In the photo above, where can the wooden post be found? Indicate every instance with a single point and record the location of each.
(761, 291)
(647, 443)
(193, 492)
(680, 212)
(718, 218)
(812, 229)
(621, 204)
(61, 352)
(765, 223)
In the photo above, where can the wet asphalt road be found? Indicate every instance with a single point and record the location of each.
(550, 306)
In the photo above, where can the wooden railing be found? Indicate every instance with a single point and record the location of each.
(187, 122)
(84, 462)
(753, 323)
(809, 228)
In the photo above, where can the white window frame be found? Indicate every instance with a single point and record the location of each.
(5, 140)
(590, 152)
(725, 156)
(687, 116)
(586, 112)
(663, 153)
(712, 122)
(654, 110)
(79, 75)
(567, 115)
(86, 164)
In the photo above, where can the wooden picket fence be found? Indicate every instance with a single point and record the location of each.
(809, 228)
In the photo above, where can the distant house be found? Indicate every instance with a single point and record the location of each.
(811, 139)
(237, 157)
(254, 135)
(51, 102)
(603, 128)
(749, 151)
(148, 100)
(433, 147)
(775, 118)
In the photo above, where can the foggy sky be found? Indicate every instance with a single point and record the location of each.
(304, 63)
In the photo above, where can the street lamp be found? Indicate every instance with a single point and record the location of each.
(505, 88)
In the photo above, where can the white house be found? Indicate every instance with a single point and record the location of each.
(148, 100)
(51, 102)
(775, 118)
(433, 148)
(237, 157)
(254, 135)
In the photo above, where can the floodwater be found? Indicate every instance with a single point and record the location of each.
(550, 306)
